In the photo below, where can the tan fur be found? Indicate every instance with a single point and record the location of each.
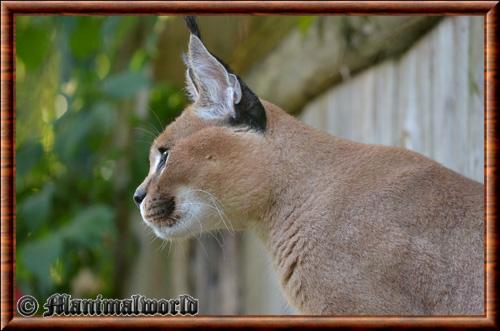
(353, 229)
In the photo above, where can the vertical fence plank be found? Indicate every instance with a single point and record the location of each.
(461, 90)
(261, 288)
(444, 99)
(385, 104)
(476, 102)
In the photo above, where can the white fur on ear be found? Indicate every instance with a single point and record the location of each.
(191, 89)
(235, 84)
(217, 91)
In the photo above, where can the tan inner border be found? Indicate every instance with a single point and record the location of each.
(488, 9)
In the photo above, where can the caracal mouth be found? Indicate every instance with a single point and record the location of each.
(185, 221)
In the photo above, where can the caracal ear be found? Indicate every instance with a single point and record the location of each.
(214, 90)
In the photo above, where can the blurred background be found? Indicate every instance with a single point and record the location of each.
(93, 92)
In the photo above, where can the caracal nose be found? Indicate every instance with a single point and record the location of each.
(139, 195)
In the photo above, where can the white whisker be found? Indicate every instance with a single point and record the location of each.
(219, 207)
(209, 232)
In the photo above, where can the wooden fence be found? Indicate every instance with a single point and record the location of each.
(429, 100)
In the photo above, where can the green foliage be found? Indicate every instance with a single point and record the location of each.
(33, 39)
(125, 84)
(78, 157)
(304, 23)
(85, 233)
(85, 38)
(36, 207)
(38, 256)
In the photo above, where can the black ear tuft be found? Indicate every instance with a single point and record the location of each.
(192, 25)
(249, 111)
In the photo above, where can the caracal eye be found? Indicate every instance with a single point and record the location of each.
(163, 151)
(163, 157)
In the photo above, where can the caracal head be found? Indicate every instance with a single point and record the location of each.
(208, 167)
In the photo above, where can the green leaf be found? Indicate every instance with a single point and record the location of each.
(85, 230)
(35, 209)
(79, 133)
(27, 156)
(71, 130)
(90, 226)
(305, 23)
(32, 44)
(104, 119)
(125, 84)
(85, 38)
(38, 256)
(138, 60)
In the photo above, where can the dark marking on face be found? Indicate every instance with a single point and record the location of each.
(161, 210)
